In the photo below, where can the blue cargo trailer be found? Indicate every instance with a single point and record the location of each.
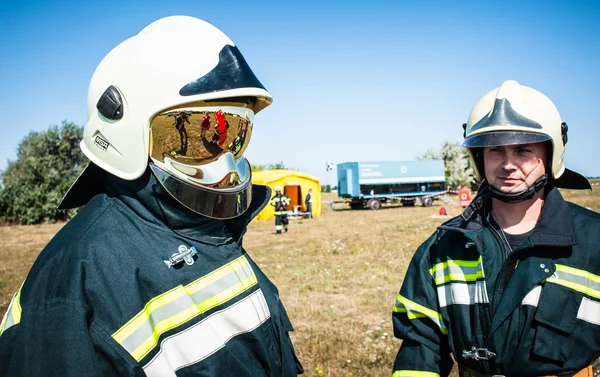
(369, 184)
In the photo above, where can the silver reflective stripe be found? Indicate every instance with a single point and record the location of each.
(589, 311)
(454, 270)
(198, 342)
(579, 280)
(181, 304)
(576, 279)
(533, 297)
(462, 294)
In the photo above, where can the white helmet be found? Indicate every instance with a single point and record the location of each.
(277, 188)
(180, 95)
(515, 114)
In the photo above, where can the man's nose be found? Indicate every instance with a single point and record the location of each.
(508, 162)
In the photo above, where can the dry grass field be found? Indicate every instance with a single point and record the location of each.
(338, 276)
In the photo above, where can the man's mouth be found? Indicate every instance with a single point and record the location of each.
(509, 180)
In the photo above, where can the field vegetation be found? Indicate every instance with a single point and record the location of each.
(338, 276)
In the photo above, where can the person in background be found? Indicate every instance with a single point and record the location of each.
(150, 278)
(510, 287)
(280, 202)
(308, 203)
(204, 125)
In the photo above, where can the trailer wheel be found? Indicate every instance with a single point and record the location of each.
(374, 204)
(427, 202)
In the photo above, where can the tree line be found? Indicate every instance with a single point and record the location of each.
(48, 162)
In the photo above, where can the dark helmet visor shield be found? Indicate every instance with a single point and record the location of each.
(494, 139)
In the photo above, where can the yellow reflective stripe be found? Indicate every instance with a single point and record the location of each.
(410, 315)
(228, 294)
(459, 277)
(217, 274)
(457, 263)
(147, 317)
(161, 327)
(414, 373)
(588, 278)
(133, 324)
(13, 312)
(575, 271)
(191, 312)
(445, 272)
(172, 295)
(5, 318)
(418, 311)
(16, 309)
(576, 287)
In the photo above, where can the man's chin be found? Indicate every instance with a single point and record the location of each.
(509, 189)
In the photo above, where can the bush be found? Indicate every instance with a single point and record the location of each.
(46, 166)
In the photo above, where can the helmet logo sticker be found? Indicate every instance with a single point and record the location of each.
(101, 143)
(504, 114)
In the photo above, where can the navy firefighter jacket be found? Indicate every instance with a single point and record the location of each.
(533, 313)
(102, 298)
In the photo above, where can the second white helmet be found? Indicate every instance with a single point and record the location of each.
(516, 114)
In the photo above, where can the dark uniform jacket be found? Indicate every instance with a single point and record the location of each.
(280, 202)
(101, 301)
(457, 296)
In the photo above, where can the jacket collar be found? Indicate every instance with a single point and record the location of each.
(149, 200)
(554, 228)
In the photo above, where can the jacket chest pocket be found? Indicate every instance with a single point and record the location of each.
(554, 321)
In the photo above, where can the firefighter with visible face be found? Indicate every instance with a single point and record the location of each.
(150, 278)
(280, 202)
(511, 286)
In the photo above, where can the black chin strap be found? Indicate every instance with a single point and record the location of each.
(516, 197)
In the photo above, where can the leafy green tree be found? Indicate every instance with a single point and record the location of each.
(47, 164)
(458, 166)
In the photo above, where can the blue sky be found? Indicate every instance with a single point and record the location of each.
(351, 81)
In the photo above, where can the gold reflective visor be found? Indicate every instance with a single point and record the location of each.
(197, 136)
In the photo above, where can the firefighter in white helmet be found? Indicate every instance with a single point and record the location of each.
(511, 286)
(280, 202)
(150, 278)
